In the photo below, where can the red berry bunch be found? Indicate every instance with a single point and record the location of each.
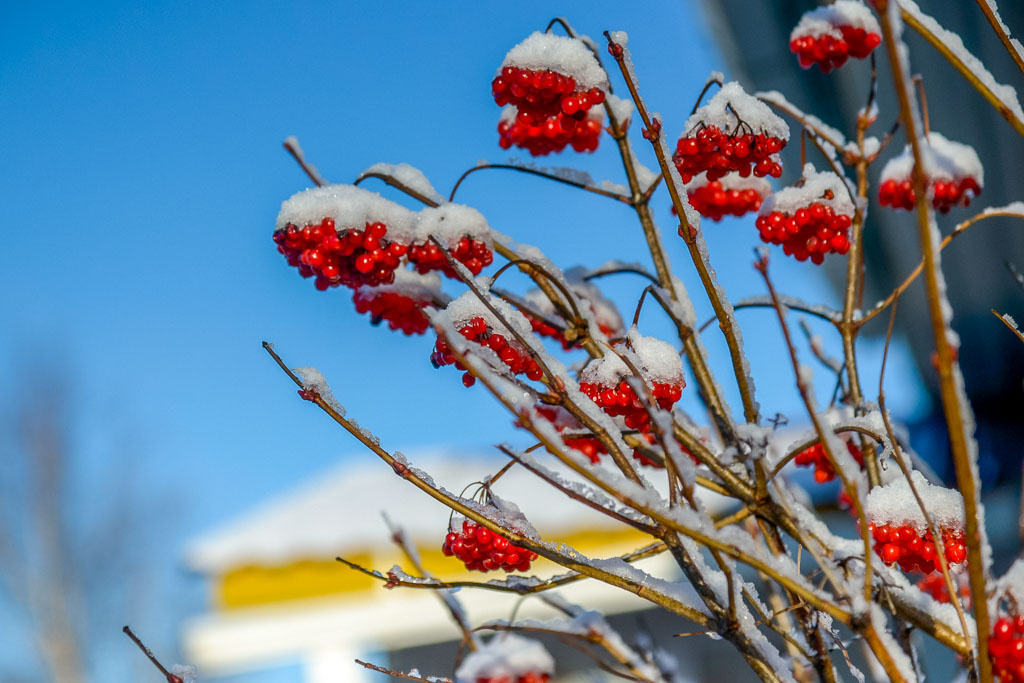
(730, 196)
(823, 470)
(622, 401)
(472, 253)
(351, 257)
(506, 658)
(483, 550)
(956, 176)
(914, 550)
(476, 330)
(827, 36)
(808, 220)
(1006, 648)
(934, 585)
(400, 311)
(541, 136)
(716, 152)
(543, 93)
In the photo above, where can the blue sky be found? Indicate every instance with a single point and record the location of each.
(143, 172)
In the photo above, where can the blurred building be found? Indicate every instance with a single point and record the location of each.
(754, 40)
(278, 597)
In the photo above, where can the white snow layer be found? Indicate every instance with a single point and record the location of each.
(468, 306)
(569, 56)
(408, 175)
(894, 503)
(659, 362)
(816, 185)
(732, 101)
(451, 222)
(826, 20)
(350, 207)
(506, 655)
(943, 159)
(425, 287)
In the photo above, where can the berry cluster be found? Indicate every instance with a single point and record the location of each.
(622, 401)
(548, 112)
(349, 257)
(809, 232)
(830, 52)
(402, 312)
(553, 134)
(1006, 649)
(529, 677)
(716, 152)
(823, 470)
(714, 200)
(899, 193)
(476, 330)
(474, 254)
(913, 550)
(935, 585)
(483, 550)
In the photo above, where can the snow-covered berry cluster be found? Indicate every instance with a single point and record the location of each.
(507, 658)
(402, 302)
(900, 530)
(934, 584)
(954, 176)
(1006, 648)
(482, 550)
(815, 457)
(460, 229)
(733, 132)
(809, 220)
(471, 253)
(731, 195)
(829, 35)
(621, 400)
(551, 87)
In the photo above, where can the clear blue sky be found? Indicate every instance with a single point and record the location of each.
(142, 174)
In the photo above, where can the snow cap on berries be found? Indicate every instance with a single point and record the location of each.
(468, 306)
(451, 222)
(408, 283)
(569, 56)
(506, 656)
(350, 207)
(894, 504)
(730, 105)
(943, 159)
(659, 362)
(827, 19)
(816, 188)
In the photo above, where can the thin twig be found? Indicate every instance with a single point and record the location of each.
(400, 674)
(171, 678)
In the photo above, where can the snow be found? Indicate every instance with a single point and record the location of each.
(1010, 321)
(292, 143)
(658, 362)
(569, 56)
(943, 159)
(747, 108)
(451, 222)
(186, 672)
(505, 655)
(1006, 94)
(621, 108)
(408, 175)
(833, 136)
(408, 283)
(1017, 47)
(350, 207)
(313, 380)
(895, 504)
(813, 190)
(468, 306)
(826, 20)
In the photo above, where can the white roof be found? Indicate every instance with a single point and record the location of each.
(340, 511)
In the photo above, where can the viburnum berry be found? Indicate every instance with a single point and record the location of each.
(815, 457)
(482, 550)
(733, 132)
(506, 658)
(731, 195)
(477, 324)
(828, 35)
(541, 136)
(567, 425)
(552, 88)
(955, 175)
(934, 584)
(1006, 648)
(809, 220)
(901, 532)
(401, 303)
(603, 380)
(461, 229)
(343, 235)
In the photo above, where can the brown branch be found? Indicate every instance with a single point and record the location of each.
(398, 185)
(171, 678)
(1001, 32)
(593, 189)
(400, 674)
(1006, 322)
